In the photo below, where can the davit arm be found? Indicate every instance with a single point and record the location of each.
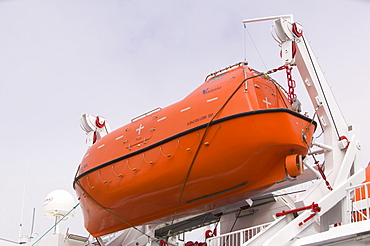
(95, 127)
(341, 147)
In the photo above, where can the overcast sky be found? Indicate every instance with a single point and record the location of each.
(120, 58)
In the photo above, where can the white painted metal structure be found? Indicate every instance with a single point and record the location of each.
(95, 127)
(332, 224)
(341, 153)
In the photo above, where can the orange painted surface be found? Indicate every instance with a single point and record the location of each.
(213, 148)
(362, 193)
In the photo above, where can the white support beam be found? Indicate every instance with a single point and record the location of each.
(288, 17)
(286, 229)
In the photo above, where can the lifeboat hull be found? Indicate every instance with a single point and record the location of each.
(211, 163)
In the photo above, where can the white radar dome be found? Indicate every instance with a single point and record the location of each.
(59, 203)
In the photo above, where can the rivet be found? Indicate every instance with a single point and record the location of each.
(206, 143)
(188, 149)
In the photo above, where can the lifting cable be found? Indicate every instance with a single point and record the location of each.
(201, 140)
(322, 90)
(232, 227)
(320, 168)
(254, 44)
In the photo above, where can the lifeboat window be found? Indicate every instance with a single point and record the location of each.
(217, 77)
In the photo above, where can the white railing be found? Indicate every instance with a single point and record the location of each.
(236, 238)
(358, 203)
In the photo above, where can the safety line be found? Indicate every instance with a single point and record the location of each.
(201, 141)
(111, 213)
(56, 224)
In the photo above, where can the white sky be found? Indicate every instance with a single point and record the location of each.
(120, 58)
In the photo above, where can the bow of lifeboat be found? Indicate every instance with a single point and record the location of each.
(228, 140)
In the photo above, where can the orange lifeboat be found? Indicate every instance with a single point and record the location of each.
(232, 137)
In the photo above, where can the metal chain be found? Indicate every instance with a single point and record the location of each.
(291, 81)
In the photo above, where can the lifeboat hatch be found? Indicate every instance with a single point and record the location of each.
(266, 94)
(139, 134)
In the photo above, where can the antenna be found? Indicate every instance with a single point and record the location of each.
(23, 199)
(33, 223)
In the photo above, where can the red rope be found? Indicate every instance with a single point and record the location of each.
(321, 171)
